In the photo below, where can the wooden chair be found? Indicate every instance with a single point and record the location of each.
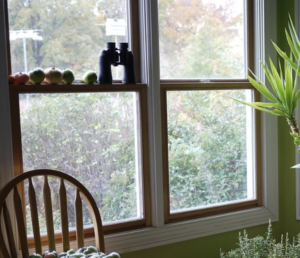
(6, 229)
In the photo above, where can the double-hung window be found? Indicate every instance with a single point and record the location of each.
(96, 133)
(173, 147)
(210, 141)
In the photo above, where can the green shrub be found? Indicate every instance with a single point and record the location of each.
(264, 247)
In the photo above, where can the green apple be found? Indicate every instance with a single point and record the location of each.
(89, 77)
(71, 251)
(98, 255)
(68, 76)
(90, 249)
(112, 255)
(36, 76)
(35, 256)
(76, 255)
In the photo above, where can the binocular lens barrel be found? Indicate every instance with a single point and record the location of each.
(111, 45)
(123, 46)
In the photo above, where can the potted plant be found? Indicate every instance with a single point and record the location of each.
(283, 98)
(264, 246)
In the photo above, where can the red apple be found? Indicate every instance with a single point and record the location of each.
(21, 78)
(53, 75)
(11, 79)
(50, 254)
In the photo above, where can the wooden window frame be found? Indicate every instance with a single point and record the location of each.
(140, 89)
(214, 84)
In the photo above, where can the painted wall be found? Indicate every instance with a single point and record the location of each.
(287, 150)
(209, 247)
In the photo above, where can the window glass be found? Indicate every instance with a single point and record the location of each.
(210, 148)
(94, 137)
(202, 39)
(65, 33)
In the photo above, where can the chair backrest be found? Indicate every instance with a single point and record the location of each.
(6, 229)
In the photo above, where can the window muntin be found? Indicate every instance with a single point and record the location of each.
(210, 143)
(202, 39)
(65, 34)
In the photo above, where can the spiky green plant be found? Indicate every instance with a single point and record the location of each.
(283, 99)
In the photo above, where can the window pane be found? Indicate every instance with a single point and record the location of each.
(64, 33)
(92, 136)
(210, 148)
(201, 39)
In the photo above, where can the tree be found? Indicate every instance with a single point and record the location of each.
(200, 40)
(73, 33)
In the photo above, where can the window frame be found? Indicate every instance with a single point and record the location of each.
(160, 233)
(139, 88)
(220, 208)
(215, 84)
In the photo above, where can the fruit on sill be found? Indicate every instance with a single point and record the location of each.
(11, 79)
(89, 77)
(21, 78)
(68, 76)
(36, 76)
(53, 75)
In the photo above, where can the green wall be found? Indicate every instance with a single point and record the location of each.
(287, 176)
(209, 247)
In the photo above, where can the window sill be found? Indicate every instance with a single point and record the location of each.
(181, 231)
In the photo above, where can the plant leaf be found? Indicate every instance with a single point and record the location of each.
(296, 166)
(263, 90)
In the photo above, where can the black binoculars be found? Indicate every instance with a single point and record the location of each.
(114, 56)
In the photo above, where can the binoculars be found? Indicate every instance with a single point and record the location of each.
(116, 56)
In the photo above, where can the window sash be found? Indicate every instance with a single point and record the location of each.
(249, 37)
(206, 211)
(141, 89)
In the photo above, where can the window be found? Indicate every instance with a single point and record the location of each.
(95, 133)
(210, 141)
(152, 101)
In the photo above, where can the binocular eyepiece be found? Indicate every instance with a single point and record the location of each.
(116, 56)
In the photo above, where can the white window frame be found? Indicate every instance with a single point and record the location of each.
(160, 234)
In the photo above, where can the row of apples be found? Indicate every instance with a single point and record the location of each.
(51, 75)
